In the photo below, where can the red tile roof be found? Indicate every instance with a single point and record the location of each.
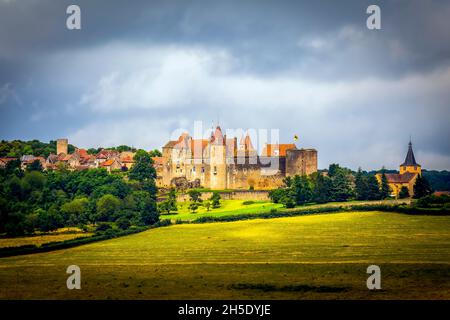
(400, 178)
(107, 163)
(270, 149)
(158, 160)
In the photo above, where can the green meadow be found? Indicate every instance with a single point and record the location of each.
(237, 207)
(304, 257)
(227, 207)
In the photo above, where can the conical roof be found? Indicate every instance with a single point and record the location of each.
(410, 160)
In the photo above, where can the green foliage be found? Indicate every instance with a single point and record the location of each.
(193, 206)
(275, 195)
(404, 193)
(18, 148)
(341, 184)
(35, 200)
(433, 201)
(422, 187)
(103, 226)
(142, 169)
(385, 190)
(248, 202)
(439, 180)
(75, 211)
(155, 153)
(196, 199)
(207, 205)
(35, 166)
(123, 223)
(215, 200)
(107, 207)
(373, 189)
(195, 195)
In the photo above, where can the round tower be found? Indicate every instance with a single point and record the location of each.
(218, 166)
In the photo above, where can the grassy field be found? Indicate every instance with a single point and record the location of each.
(306, 257)
(227, 207)
(236, 207)
(38, 240)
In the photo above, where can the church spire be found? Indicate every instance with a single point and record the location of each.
(410, 160)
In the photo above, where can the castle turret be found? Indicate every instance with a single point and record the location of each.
(301, 161)
(62, 146)
(218, 166)
(410, 164)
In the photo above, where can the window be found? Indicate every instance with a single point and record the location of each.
(203, 169)
(215, 170)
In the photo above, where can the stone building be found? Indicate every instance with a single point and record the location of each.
(62, 146)
(221, 163)
(409, 171)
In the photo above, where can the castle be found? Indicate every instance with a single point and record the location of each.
(221, 163)
(409, 171)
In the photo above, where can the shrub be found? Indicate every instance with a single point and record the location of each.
(123, 223)
(248, 202)
(103, 227)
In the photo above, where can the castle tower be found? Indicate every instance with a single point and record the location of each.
(62, 146)
(218, 166)
(301, 162)
(410, 164)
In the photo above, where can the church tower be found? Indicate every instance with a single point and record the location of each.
(218, 166)
(410, 164)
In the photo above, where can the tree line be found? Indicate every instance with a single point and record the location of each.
(340, 184)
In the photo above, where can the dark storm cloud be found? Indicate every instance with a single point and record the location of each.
(157, 65)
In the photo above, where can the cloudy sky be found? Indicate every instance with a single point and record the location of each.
(138, 70)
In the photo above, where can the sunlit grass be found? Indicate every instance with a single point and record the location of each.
(234, 259)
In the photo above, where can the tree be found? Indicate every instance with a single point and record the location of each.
(193, 206)
(341, 187)
(143, 167)
(172, 199)
(123, 223)
(196, 199)
(302, 189)
(195, 195)
(48, 220)
(164, 207)
(373, 188)
(35, 166)
(75, 211)
(421, 187)
(361, 188)
(107, 207)
(155, 153)
(404, 193)
(276, 194)
(321, 187)
(385, 190)
(146, 206)
(207, 205)
(215, 200)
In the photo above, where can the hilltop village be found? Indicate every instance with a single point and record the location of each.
(216, 163)
(219, 162)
